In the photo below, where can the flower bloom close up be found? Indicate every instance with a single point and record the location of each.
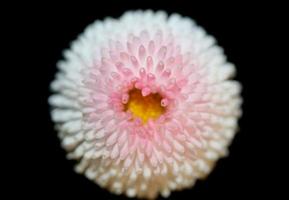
(145, 103)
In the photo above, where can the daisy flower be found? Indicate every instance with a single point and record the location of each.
(145, 103)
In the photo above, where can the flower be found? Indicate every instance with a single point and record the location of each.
(145, 103)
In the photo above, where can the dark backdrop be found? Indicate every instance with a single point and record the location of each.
(239, 28)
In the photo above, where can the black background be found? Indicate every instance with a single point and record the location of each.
(241, 29)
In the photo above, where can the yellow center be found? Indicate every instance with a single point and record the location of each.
(144, 107)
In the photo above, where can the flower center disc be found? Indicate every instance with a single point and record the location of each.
(144, 107)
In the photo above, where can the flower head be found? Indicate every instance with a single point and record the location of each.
(145, 103)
